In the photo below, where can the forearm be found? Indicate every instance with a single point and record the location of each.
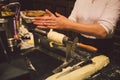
(88, 29)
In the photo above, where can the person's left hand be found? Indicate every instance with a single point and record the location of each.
(56, 21)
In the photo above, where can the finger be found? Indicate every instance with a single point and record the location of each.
(38, 21)
(42, 18)
(43, 21)
(49, 24)
(58, 14)
(44, 27)
(45, 24)
(39, 24)
(52, 27)
(49, 12)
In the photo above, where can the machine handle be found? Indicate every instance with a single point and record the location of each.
(88, 47)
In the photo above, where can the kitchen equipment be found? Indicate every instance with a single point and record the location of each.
(9, 20)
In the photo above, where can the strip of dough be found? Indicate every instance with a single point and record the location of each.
(84, 72)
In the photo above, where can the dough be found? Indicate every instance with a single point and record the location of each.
(84, 72)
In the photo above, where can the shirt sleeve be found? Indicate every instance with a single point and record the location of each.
(72, 16)
(110, 16)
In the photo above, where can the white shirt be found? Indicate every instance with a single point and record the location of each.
(104, 12)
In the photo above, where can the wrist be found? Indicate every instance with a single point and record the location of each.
(69, 25)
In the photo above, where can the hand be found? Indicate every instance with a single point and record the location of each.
(40, 21)
(56, 21)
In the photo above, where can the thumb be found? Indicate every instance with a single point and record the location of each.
(49, 12)
(58, 14)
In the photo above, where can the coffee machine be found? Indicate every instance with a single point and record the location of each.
(9, 21)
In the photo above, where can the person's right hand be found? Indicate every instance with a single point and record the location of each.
(41, 22)
(52, 21)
